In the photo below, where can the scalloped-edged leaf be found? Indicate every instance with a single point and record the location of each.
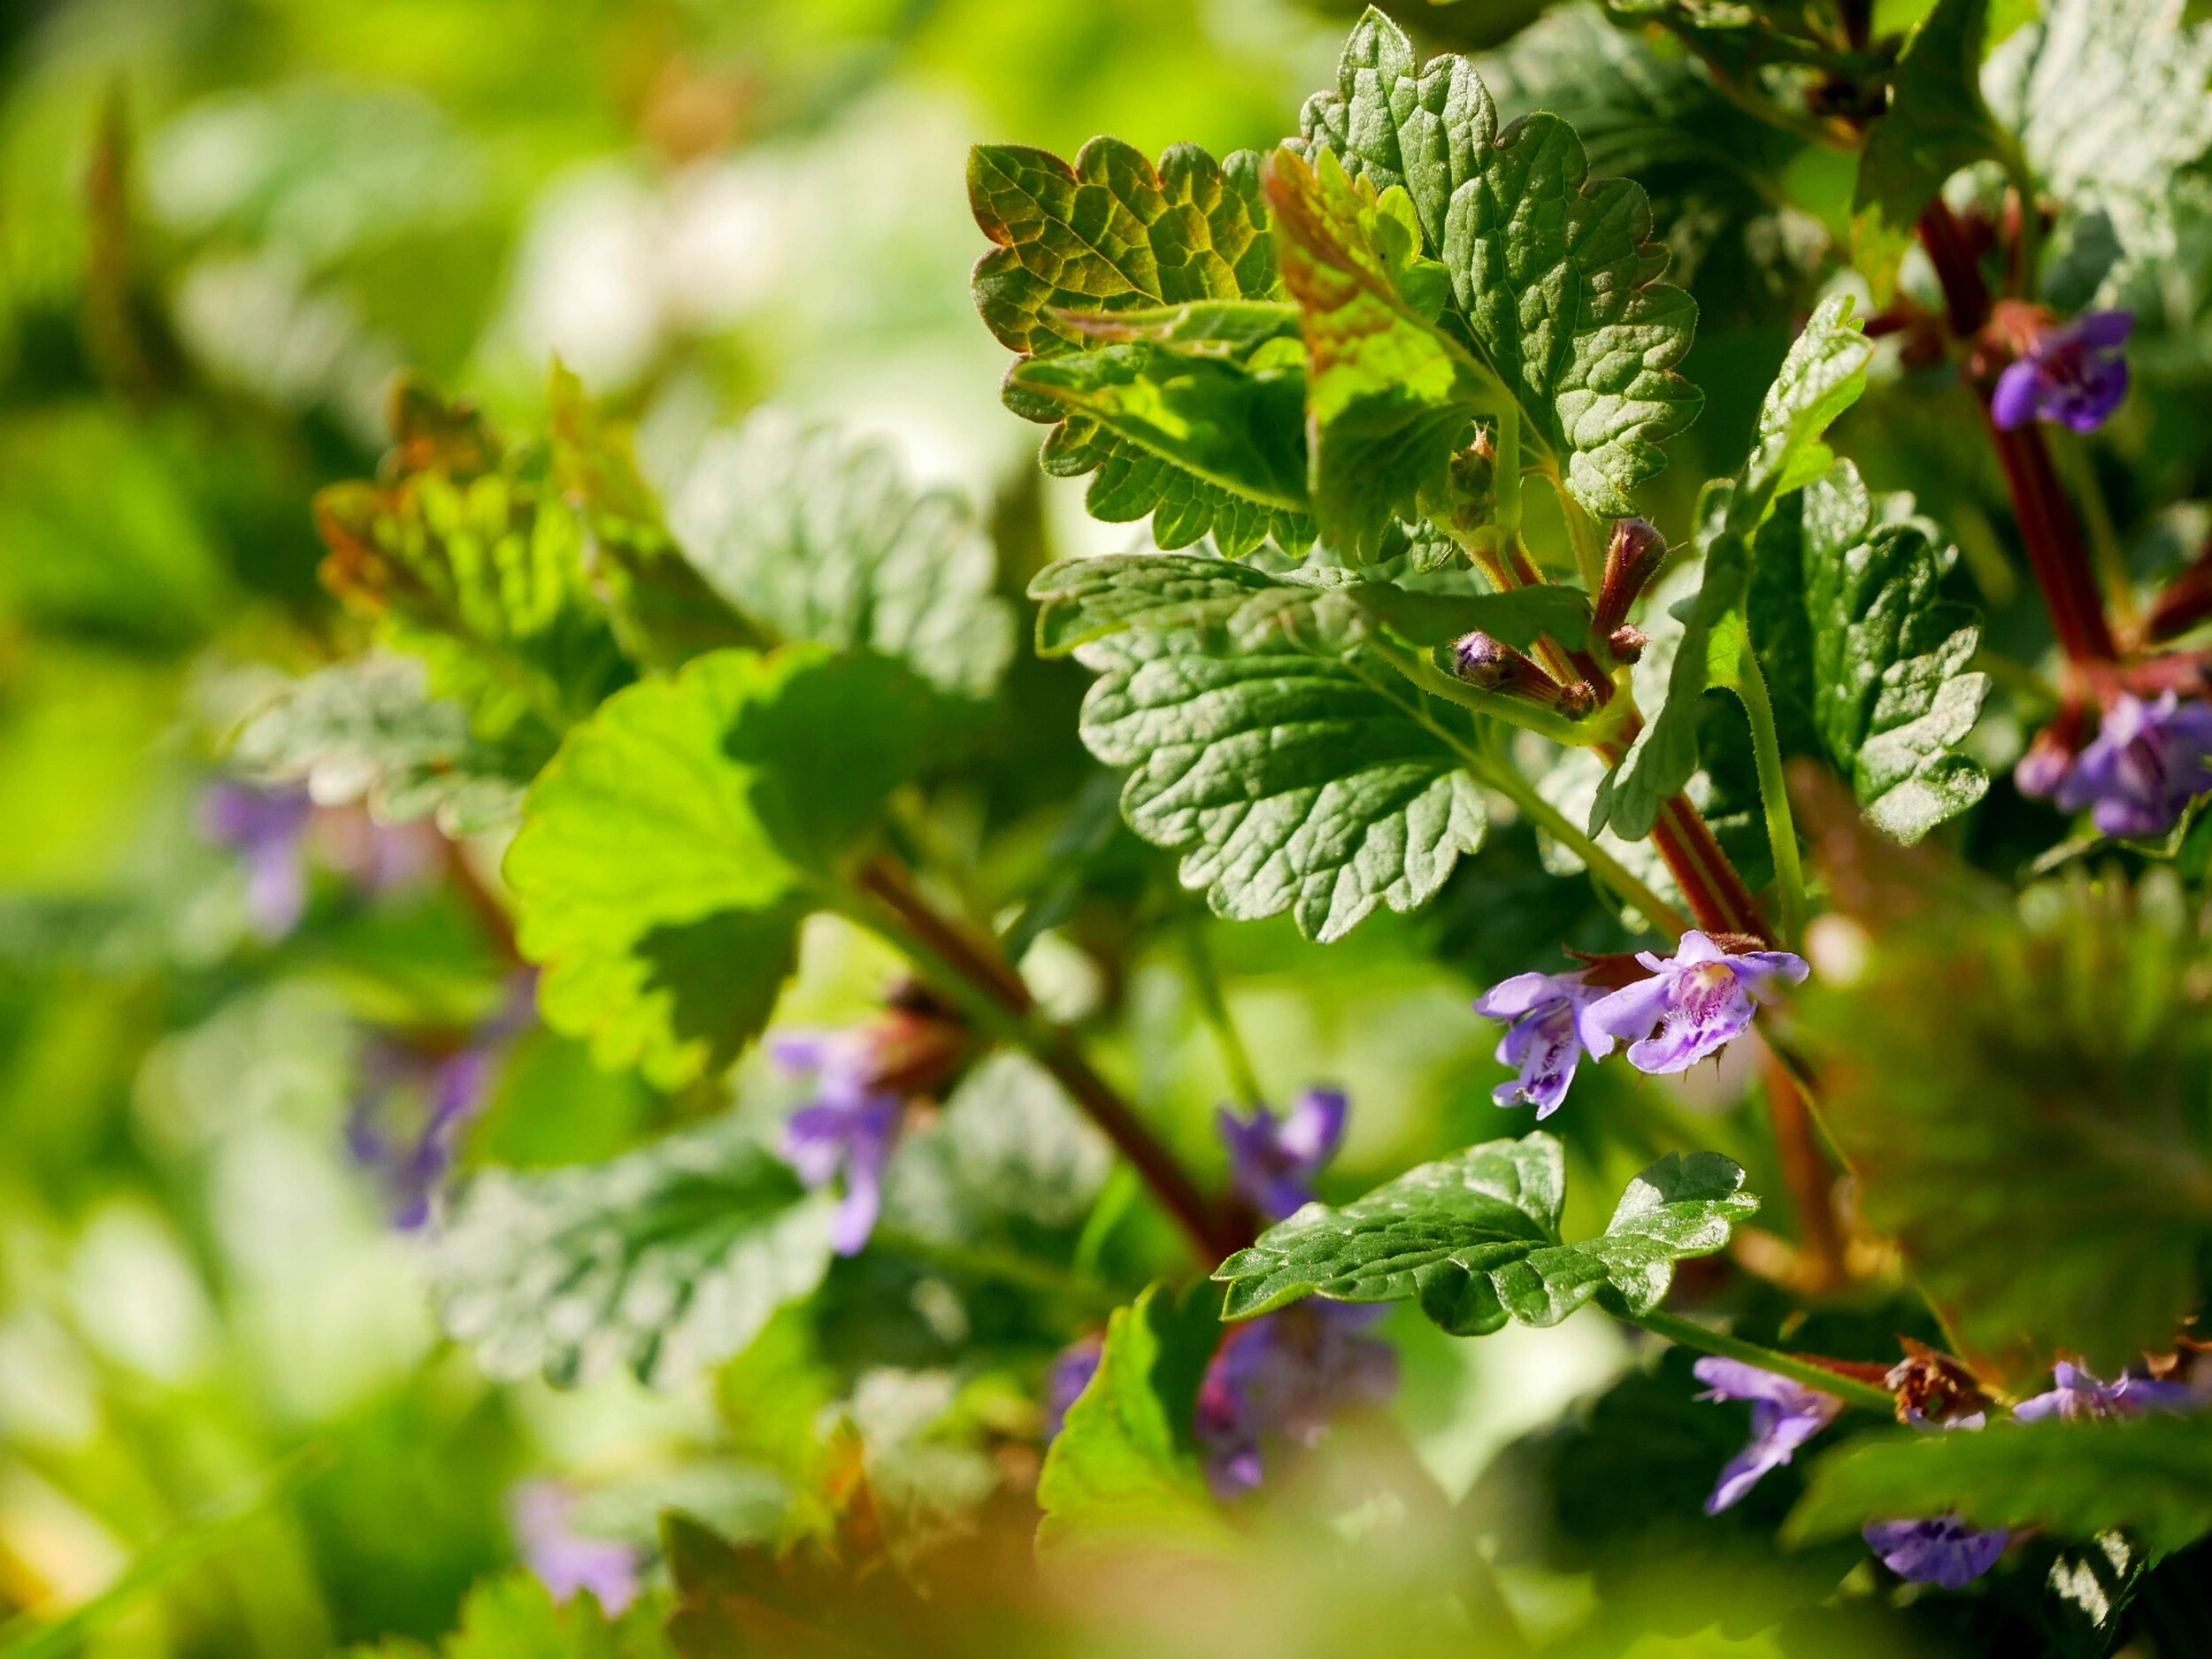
(1474, 1238)
(1298, 773)
(371, 731)
(1125, 1469)
(1822, 375)
(2150, 1477)
(665, 1262)
(814, 537)
(669, 849)
(1112, 233)
(1865, 655)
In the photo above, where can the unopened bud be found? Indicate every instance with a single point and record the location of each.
(1627, 643)
(1492, 666)
(1933, 1387)
(1577, 700)
(1631, 559)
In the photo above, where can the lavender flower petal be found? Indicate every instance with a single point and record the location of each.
(562, 1559)
(1701, 999)
(1785, 1415)
(1272, 1161)
(1946, 1551)
(2073, 375)
(2148, 761)
(1548, 1033)
(2077, 1396)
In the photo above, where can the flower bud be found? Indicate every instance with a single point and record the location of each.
(1631, 559)
(1627, 643)
(1933, 1387)
(1492, 666)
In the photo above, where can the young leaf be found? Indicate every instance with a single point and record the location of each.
(1475, 1238)
(1299, 775)
(1077, 246)
(1822, 375)
(1852, 630)
(1553, 274)
(666, 1261)
(813, 538)
(1390, 396)
(370, 730)
(2150, 1477)
(1125, 1469)
(669, 849)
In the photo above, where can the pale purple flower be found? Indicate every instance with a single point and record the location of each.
(2074, 376)
(1783, 1415)
(1284, 1376)
(2075, 1396)
(1945, 1551)
(1701, 999)
(563, 1560)
(1548, 1034)
(1071, 1374)
(268, 831)
(850, 1128)
(2148, 762)
(1273, 1160)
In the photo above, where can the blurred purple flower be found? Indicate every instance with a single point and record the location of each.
(1286, 1375)
(2075, 1396)
(1701, 999)
(564, 1561)
(851, 1127)
(1272, 1161)
(1549, 1030)
(2147, 762)
(1071, 1374)
(268, 831)
(1783, 1415)
(1946, 1551)
(2074, 374)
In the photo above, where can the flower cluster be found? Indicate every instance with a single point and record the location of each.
(2147, 763)
(1677, 1012)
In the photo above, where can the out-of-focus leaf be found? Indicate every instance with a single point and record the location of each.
(1113, 235)
(1853, 633)
(516, 1617)
(2022, 1100)
(370, 730)
(1475, 1238)
(1822, 377)
(1125, 1469)
(2150, 1477)
(669, 848)
(813, 537)
(666, 1261)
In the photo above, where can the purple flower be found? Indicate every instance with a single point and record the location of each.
(1273, 1161)
(1285, 1376)
(2076, 1395)
(2146, 763)
(1701, 1000)
(1071, 1374)
(1946, 1551)
(566, 1561)
(851, 1126)
(2074, 376)
(1549, 1030)
(268, 831)
(1783, 1415)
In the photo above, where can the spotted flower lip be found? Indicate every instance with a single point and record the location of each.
(2146, 763)
(1273, 1160)
(2073, 374)
(850, 1128)
(1946, 1551)
(1783, 1415)
(1701, 1000)
(2075, 1396)
(1548, 1031)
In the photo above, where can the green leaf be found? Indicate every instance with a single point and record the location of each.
(2150, 1477)
(514, 1617)
(665, 1262)
(1125, 1469)
(1822, 375)
(1852, 631)
(1553, 274)
(1390, 396)
(669, 849)
(370, 730)
(2108, 99)
(1475, 1238)
(1935, 124)
(814, 538)
(2021, 1095)
(1301, 773)
(1078, 246)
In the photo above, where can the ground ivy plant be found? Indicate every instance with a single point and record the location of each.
(1393, 414)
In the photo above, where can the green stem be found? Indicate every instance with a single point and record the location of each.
(2080, 475)
(1750, 685)
(1581, 536)
(2028, 253)
(1688, 1333)
(1244, 1082)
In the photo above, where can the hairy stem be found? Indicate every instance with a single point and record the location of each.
(981, 978)
(1688, 1333)
(1766, 746)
